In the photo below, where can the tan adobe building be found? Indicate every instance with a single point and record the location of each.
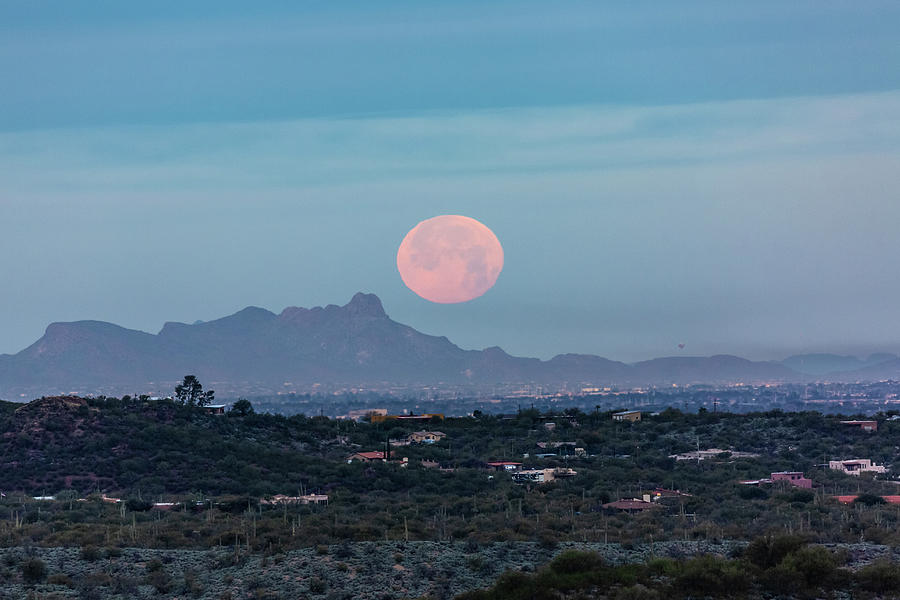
(856, 466)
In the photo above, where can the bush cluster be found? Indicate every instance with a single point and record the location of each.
(775, 566)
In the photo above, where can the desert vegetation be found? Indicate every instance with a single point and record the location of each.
(770, 566)
(101, 467)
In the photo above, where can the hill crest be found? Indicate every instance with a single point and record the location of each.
(356, 344)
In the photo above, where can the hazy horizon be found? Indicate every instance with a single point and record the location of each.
(860, 353)
(728, 183)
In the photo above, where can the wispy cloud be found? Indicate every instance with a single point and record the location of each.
(316, 152)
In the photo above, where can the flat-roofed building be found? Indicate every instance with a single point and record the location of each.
(632, 416)
(542, 475)
(855, 466)
(795, 478)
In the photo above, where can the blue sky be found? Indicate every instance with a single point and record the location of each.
(717, 174)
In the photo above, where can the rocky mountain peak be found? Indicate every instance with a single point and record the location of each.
(365, 305)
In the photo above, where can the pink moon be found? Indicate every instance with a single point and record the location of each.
(449, 259)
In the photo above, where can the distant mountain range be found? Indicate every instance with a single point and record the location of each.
(831, 364)
(355, 344)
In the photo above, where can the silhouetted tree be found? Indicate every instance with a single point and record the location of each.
(206, 398)
(241, 408)
(190, 392)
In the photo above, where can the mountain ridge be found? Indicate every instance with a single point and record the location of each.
(829, 364)
(357, 343)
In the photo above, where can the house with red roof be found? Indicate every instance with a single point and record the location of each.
(367, 457)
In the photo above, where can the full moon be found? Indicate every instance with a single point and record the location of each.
(450, 259)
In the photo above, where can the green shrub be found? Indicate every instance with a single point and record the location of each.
(869, 500)
(780, 579)
(98, 579)
(317, 585)
(752, 492)
(665, 567)
(815, 565)
(160, 580)
(802, 496)
(477, 564)
(881, 577)
(712, 576)
(343, 550)
(60, 579)
(33, 571)
(575, 562)
(547, 540)
(154, 565)
(192, 585)
(636, 592)
(513, 585)
(769, 551)
(125, 586)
